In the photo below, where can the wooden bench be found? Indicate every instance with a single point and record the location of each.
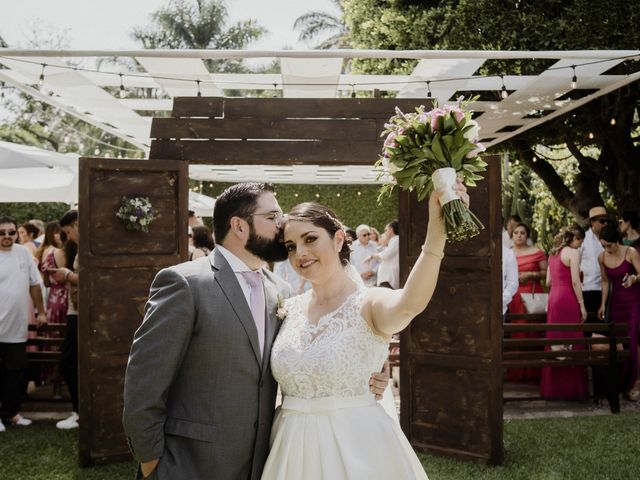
(531, 352)
(43, 357)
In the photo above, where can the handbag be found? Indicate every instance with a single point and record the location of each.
(535, 302)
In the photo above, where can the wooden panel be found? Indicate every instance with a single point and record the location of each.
(464, 419)
(208, 107)
(116, 270)
(450, 355)
(328, 129)
(294, 107)
(107, 234)
(326, 152)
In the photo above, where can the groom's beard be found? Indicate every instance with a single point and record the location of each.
(269, 250)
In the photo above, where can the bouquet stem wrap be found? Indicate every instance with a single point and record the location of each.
(460, 223)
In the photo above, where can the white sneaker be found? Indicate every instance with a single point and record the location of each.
(20, 420)
(69, 423)
(2, 427)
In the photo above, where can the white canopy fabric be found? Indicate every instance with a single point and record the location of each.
(201, 204)
(29, 174)
(528, 100)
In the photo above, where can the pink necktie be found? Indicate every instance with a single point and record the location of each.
(254, 279)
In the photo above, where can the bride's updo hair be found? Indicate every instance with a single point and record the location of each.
(322, 217)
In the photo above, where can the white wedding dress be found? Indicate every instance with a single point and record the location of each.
(329, 426)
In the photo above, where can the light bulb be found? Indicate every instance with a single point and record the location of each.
(503, 93)
(591, 135)
(66, 139)
(96, 151)
(613, 121)
(45, 129)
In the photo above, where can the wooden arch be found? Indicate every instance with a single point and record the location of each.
(451, 385)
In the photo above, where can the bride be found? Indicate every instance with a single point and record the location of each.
(329, 426)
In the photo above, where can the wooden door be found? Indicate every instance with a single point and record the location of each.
(450, 356)
(116, 269)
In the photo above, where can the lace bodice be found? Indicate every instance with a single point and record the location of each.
(333, 358)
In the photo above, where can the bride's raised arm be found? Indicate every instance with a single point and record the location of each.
(391, 311)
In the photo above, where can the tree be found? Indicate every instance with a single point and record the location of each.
(603, 136)
(315, 24)
(198, 24)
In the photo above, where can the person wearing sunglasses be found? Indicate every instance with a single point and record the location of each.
(19, 284)
(589, 266)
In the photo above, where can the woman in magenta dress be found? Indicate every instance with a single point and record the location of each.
(566, 305)
(620, 267)
(532, 270)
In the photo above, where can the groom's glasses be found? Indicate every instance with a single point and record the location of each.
(275, 217)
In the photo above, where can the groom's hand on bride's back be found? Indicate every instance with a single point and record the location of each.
(379, 381)
(147, 468)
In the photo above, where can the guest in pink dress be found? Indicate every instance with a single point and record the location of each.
(532, 270)
(620, 267)
(566, 305)
(50, 256)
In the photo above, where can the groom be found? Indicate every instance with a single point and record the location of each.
(199, 395)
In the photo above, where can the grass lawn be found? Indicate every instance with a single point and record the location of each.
(581, 448)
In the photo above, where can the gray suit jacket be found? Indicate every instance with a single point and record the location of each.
(198, 394)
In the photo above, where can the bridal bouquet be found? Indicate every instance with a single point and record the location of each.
(424, 151)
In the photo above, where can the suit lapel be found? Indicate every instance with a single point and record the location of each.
(229, 285)
(271, 300)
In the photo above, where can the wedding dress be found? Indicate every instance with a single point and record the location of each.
(329, 426)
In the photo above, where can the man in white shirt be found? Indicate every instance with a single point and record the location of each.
(591, 248)
(19, 284)
(509, 277)
(389, 269)
(361, 250)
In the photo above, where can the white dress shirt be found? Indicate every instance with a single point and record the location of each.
(358, 254)
(389, 269)
(589, 266)
(509, 277)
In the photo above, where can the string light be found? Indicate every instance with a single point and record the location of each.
(613, 121)
(275, 88)
(66, 139)
(574, 79)
(295, 195)
(503, 92)
(122, 92)
(429, 89)
(41, 79)
(96, 151)
(338, 194)
(258, 84)
(353, 90)
(317, 195)
(591, 135)
(198, 88)
(45, 129)
(107, 155)
(359, 193)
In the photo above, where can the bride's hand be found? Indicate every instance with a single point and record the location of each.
(435, 209)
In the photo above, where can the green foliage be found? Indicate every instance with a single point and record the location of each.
(528, 25)
(199, 24)
(315, 24)
(352, 209)
(23, 212)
